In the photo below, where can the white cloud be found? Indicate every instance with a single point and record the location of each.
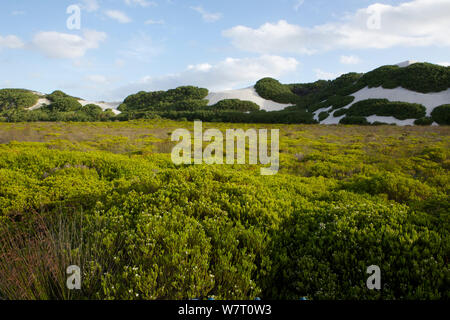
(226, 74)
(350, 60)
(298, 4)
(63, 45)
(150, 21)
(119, 16)
(207, 16)
(418, 23)
(90, 5)
(142, 3)
(323, 75)
(444, 64)
(11, 42)
(18, 13)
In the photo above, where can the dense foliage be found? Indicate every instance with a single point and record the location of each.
(425, 121)
(236, 105)
(286, 117)
(189, 97)
(354, 120)
(441, 114)
(419, 77)
(339, 112)
(386, 108)
(17, 99)
(323, 115)
(272, 89)
(108, 198)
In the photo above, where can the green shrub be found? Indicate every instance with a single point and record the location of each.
(189, 105)
(340, 112)
(57, 94)
(181, 98)
(441, 114)
(236, 105)
(323, 252)
(354, 120)
(271, 89)
(17, 99)
(419, 77)
(384, 107)
(426, 121)
(64, 105)
(397, 187)
(323, 115)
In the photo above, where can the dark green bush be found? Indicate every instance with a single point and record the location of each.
(441, 114)
(426, 121)
(188, 105)
(236, 105)
(273, 90)
(354, 120)
(340, 112)
(419, 77)
(64, 105)
(323, 115)
(384, 107)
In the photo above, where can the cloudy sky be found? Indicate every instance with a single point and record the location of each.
(122, 46)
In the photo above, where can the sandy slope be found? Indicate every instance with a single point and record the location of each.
(429, 100)
(248, 94)
(104, 105)
(41, 101)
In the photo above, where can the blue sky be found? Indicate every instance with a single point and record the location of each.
(124, 46)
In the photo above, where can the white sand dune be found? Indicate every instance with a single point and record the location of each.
(405, 64)
(428, 100)
(104, 105)
(390, 120)
(40, 103)
(247, 94)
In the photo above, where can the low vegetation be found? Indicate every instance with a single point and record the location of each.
(106, 197)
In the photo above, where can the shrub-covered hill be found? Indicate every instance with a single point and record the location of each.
(16, 105)
(320, 101)
(416, 94)
(324, 97)
(11, 99)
